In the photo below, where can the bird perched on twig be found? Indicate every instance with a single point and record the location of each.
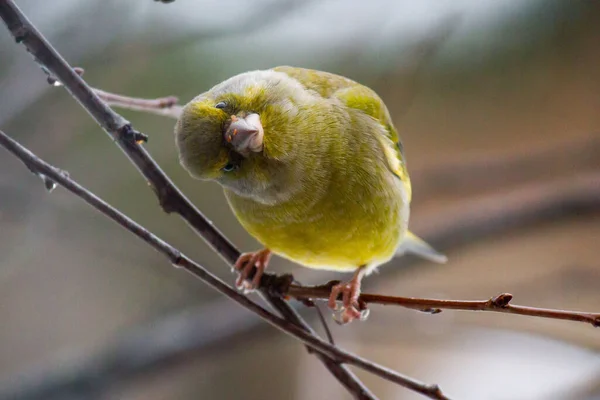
(312, 167)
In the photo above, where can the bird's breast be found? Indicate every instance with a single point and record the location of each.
(340, 223)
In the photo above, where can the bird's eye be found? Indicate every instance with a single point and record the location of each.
(221, 105)
(229, 167)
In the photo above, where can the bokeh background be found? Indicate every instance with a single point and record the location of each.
(498, 104)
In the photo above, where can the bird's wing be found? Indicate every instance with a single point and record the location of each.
(359, 97)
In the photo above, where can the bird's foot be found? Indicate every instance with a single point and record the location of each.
(260, 260)
(351, 309)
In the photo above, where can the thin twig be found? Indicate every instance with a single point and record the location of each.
(499, 303)
(179, 260)
(165, 106)
(170, 197)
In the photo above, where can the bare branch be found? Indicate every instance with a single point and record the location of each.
(499, 303)
(165, 106)
(179, 260)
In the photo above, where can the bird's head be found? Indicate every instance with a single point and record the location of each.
(241, 133)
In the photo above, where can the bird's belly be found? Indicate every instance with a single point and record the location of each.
(337, 245)
(337, 233)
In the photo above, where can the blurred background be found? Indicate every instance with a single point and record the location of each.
(498, 105)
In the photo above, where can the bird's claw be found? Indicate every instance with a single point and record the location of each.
(350, 309)
(243, 265)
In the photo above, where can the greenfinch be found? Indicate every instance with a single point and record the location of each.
(311, 166)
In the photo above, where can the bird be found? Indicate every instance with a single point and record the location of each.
(312, 167)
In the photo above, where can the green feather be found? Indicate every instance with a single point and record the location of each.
(358, 97)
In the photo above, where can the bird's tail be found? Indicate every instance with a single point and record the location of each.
(412, 244)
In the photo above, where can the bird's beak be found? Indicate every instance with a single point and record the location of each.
(245, 134)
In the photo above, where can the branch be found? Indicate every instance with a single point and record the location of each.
(179, 260)
(165, 106)
(499, 303)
